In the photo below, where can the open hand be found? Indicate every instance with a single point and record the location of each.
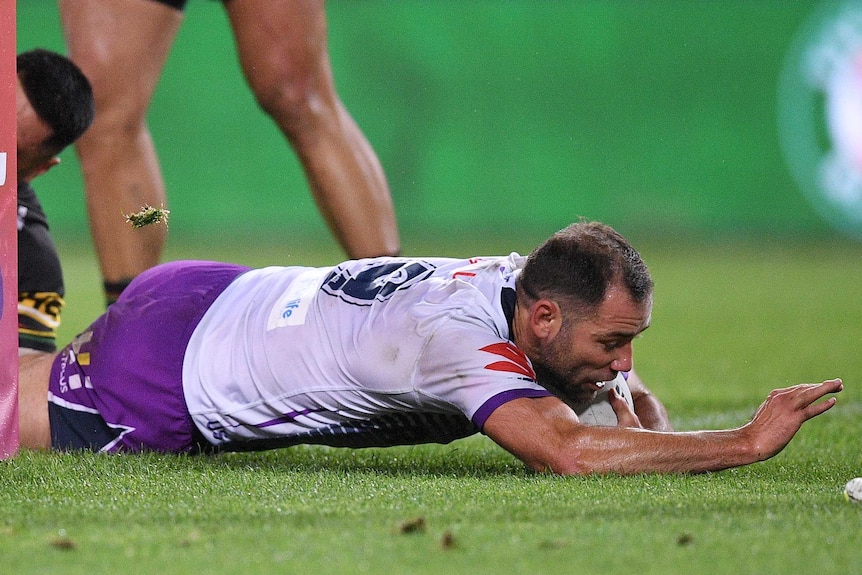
(778, 418)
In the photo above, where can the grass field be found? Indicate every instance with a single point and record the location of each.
(731, 321)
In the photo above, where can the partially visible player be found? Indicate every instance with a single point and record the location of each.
(54, 107)
(204, 356)
(122, 46)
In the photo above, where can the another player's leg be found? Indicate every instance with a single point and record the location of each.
(282, 47)
(34, 431)
(121, 45)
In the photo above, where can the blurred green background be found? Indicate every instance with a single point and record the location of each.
(506, 118)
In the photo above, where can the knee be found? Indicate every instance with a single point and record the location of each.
(298, 102)
(118, 116)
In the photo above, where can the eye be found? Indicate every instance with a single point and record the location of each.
(616, 343)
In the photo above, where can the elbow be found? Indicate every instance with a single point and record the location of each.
(564, 465)
(571, 455)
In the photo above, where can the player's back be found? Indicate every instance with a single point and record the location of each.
(346, 339)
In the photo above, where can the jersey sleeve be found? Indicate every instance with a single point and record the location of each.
(466, 365)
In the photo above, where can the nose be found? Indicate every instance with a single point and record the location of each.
(623, 359)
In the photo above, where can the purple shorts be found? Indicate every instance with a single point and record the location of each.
(118, 385)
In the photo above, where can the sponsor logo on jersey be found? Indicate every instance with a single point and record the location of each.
(292, 307)
(514, 360)
(71, 376)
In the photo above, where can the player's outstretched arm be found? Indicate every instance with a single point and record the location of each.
(546, 435)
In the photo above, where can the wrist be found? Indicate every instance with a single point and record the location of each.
(745, 445)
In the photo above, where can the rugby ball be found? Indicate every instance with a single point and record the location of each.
(853, 490)
(599, 411)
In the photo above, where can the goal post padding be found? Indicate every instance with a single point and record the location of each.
(8, 235)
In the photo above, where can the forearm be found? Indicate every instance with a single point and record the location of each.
(559, 443)
(632, 451)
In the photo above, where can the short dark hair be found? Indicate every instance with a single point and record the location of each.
(60, 94)
(580, 262)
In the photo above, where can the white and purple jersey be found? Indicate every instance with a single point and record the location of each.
(372, 352)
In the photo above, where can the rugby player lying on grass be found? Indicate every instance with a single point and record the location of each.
(204, 356)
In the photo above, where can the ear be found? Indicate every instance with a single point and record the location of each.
(546, 319)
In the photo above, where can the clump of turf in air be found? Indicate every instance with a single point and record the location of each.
(147, 216)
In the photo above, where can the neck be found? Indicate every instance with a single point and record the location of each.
(521, 331)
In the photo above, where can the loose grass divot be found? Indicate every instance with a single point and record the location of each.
(63, 543)
(147, 216)
(415, 525)
(684, 539)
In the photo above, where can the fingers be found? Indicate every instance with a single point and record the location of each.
(806, 393)
(809, 393)
(829, 386)
(804, 398)
(816, 409)
(625, 416)
(834, 385)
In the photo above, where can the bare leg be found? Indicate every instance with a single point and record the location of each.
(121, 45)
(34, 430)
(282, 47)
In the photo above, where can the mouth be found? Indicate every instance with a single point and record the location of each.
(605, 382)
(599, 386)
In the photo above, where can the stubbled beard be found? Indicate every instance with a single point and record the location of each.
(561, 388)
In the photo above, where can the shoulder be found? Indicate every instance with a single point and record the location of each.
(27, 198)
